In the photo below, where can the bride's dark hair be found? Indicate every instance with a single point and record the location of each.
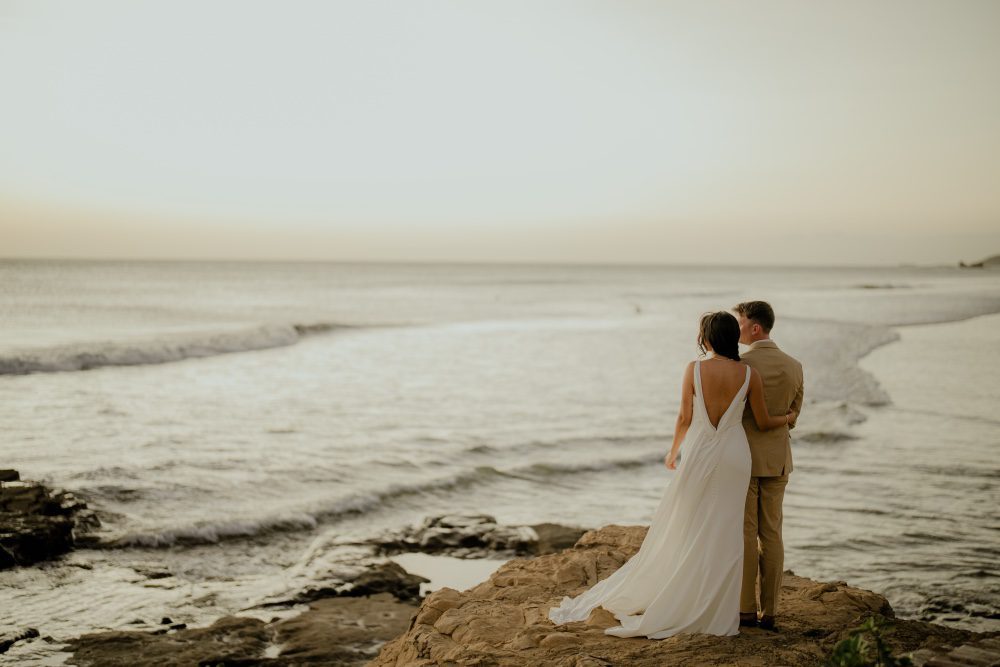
(722, 331)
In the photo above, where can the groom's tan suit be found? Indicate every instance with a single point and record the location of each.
(771, 454)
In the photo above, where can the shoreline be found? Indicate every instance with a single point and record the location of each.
(895, 439)
(360, 579)
(931, 323)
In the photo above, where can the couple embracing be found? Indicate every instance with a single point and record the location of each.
(713, 556)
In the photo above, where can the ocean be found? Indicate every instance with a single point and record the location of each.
(233, 421)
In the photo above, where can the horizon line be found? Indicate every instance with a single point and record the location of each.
(957, 264)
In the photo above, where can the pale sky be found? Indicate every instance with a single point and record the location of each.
(792, 132)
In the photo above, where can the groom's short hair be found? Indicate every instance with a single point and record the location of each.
(758, 311)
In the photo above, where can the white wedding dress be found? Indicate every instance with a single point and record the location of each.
(687, 574)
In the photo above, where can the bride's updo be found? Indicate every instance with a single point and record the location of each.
(722, 331)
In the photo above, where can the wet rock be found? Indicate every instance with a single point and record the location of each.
(226, 641)
(982, 653)
(8, 640)
(504, 621)
(152, 571)
(336, 631)
(384, 577)
(342, 631)
(364, 601)
(37, 524)
(478, 536)
(553, 537)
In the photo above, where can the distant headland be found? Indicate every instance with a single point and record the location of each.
(988, 263)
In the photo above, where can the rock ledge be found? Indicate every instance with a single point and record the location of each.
(37, 524)
(504, 621)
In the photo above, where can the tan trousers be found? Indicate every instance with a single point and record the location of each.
(763, 550)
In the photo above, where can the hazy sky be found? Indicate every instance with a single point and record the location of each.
(793, 132)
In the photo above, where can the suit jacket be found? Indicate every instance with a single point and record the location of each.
(771, 451)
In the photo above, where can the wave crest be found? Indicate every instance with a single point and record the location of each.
(156, 349)
(213, 531)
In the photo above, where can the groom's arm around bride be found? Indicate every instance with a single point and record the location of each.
(771, 455)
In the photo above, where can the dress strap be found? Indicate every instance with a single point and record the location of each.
(745, 389)
(699, 397)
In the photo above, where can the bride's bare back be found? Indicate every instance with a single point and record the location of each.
(721, 380)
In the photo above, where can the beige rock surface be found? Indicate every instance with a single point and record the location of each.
(504, 620)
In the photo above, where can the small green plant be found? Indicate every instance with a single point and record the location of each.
(866, 647)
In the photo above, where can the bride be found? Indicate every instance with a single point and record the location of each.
(686, 576)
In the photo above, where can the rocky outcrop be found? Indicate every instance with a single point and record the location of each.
(358, 600)
(504, 621)
(337, 631)
(37, 524)
(988, 263)
(385, 577)
(347, 623)
(478, 536)
(8, 639)
(982, 653)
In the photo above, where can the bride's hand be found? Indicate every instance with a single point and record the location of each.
(671, 461)
(792, 416)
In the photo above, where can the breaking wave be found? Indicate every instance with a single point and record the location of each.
(213, 531)
(159, 349)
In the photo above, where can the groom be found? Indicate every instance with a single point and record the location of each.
(771, 455)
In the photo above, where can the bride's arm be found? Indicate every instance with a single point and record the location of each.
(765, 422)
(684, 416)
